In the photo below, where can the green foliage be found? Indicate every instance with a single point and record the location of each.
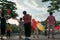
(58, 23)
(5, 5)
(55, 5)
(44, 0)
(44, 23)
(15, 28)
(13, 14)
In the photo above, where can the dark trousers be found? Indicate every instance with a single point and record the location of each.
(3, 31)
(8, 33)
(27, 27)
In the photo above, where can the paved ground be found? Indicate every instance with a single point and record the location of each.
(41, 37)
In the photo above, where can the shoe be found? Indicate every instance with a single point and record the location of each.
(37, 36)
(48, 37)
(27, 39)
(52, 37)
(1, 38)
(33, 36)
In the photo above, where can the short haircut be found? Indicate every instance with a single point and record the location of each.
(20, 19)
(51, 13)
(24, 12)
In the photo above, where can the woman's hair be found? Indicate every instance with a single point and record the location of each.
(20, 19)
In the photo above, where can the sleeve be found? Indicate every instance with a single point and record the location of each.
(23, 17)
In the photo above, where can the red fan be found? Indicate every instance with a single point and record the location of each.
(33, 24)
(56, 27)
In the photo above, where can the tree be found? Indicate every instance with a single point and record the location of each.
(15, 28)
(55, 5)
(8, 8)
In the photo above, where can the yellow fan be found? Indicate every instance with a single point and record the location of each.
(40, 26)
